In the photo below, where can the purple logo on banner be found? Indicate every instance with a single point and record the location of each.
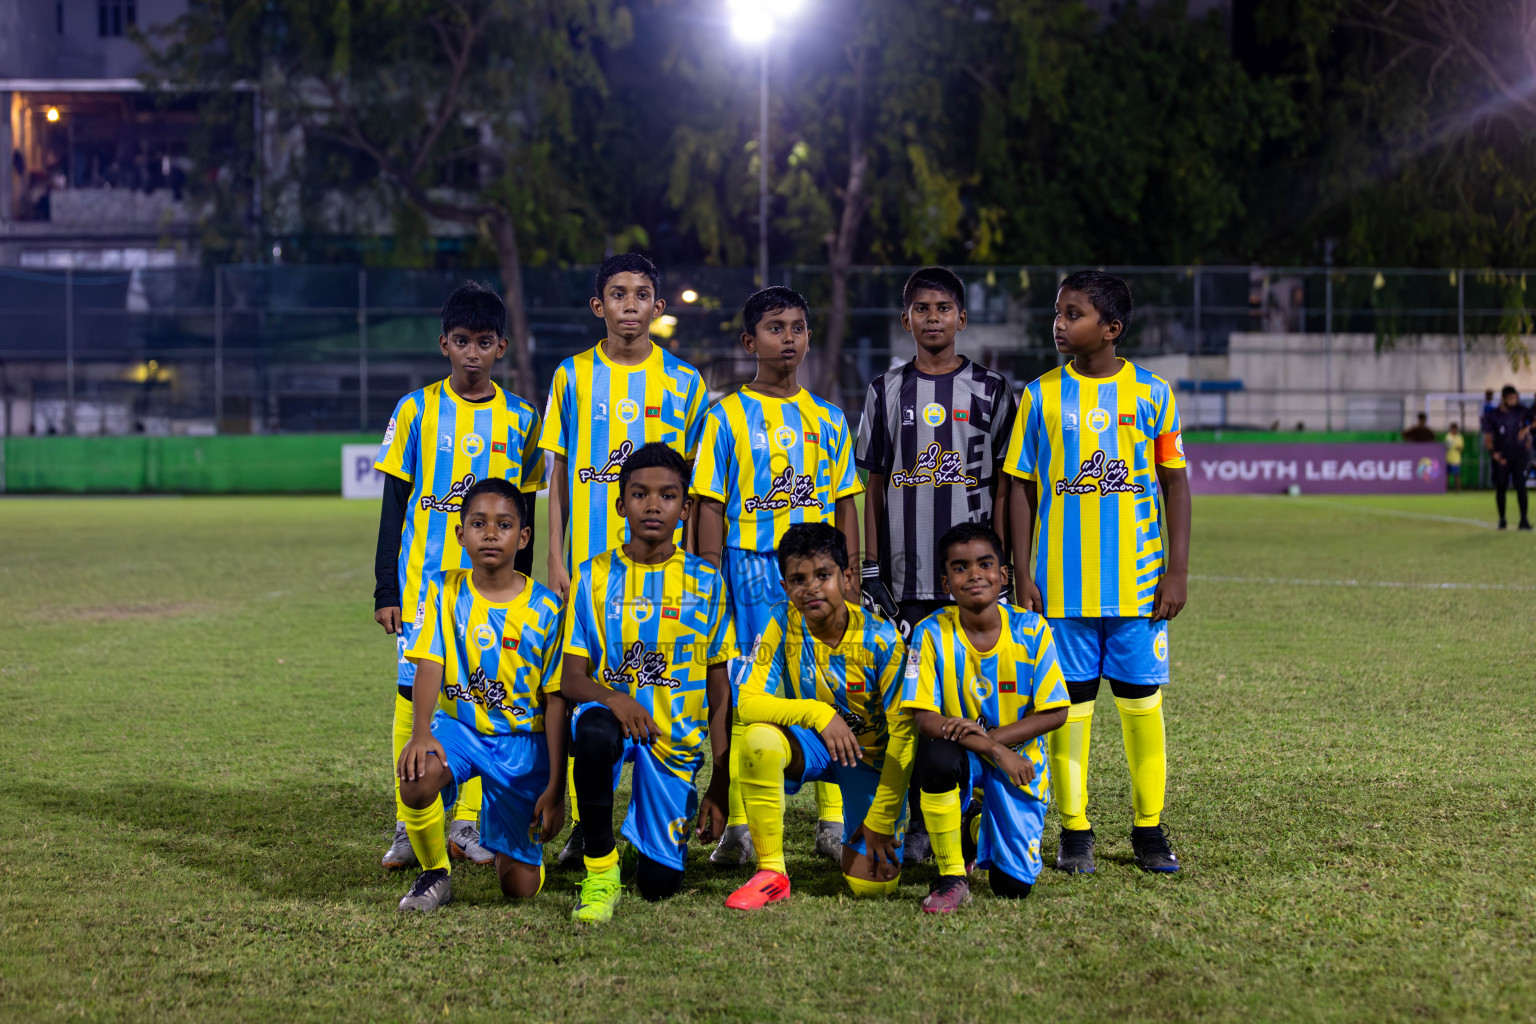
(1321, 468)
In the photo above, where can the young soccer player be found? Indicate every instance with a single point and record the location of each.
(486, 651)
(1103, 505)
(647, 638)
(983, 684)
(603, 405)
(772, 455)
(820, 706)
(440, 442)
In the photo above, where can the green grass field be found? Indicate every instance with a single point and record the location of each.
(196, 794)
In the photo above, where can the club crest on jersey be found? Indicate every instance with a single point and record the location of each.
(933, 414)
(1098, 420)
(453, 500)
(785, 437)
(799, 492)
(981, 687)
(640, 668)
(1097, 475)
(934, 466)
(1160, 646)
(485, 637)
(1178, 443)
(628, 410)
(677, 831)
(610, 472)
(641, 608)
(472, 445)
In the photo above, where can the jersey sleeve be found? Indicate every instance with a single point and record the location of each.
(581, 636)
(428, 644)
(1023, 458)
(398, 453)
(711, 468)
(694, 417)
(1004, 413)
(760, 701)
(1168, 441)
(920, 678)
(532, 478)
(549, 671)
(900, 746)
(720, 646)
(554, 436)
(845, 475)
(1050, 687)
(874, 453)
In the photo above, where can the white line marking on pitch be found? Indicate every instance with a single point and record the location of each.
(1481, 524)
(1389, 584)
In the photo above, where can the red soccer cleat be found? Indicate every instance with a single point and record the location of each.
(763, 888)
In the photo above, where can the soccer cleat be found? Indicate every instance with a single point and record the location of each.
(464, 843)
(431, 890)
(1502, 524)
(735, 848)
(1074, 854)
(761, 889)
(829, 840)
(600, 892)
(1525, 524)
(948, 894)
(575, 848)
(916, 846)
(400, 855)
(1150, 845)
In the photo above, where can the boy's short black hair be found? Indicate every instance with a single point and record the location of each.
(775, 299)
(1510, 389)
(653, 456)
(626, 263)
(1110, 295)
(964, 534)
(502, 489)
(474, 307)
(807, 540)
(939, 279)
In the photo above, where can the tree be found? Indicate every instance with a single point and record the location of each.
(457, 109)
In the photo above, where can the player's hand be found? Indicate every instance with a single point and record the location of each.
(559, 579)
(389, 618)
(548, 814)
(841, 743)
(415, 758)
(881, 850)
(712, 810)
(1168, 600)
(874, 594)
(1028, 593)
(955, 728)
(637, 723)
(1018, 769)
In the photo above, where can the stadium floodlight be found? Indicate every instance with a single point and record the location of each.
(752, 27)
(689, 295)
(53, 114)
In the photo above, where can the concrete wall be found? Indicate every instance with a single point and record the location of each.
(31, 45)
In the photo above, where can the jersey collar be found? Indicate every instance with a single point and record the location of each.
(1125, 370)
(651, 361)
(521, 601)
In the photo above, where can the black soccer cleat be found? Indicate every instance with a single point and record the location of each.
(1074, 854)
(1150, 845)
(571, 856)
(1525, 524)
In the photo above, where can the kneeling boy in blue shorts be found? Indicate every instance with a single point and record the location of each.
(819, 703)
(647, 639)
(984, 687)
(486, 651)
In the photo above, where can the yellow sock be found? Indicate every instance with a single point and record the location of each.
(402, 736)
(829, 801)
(570, 773)
(1141, 724)
(942, 813)
(425, 827)
(735, 808)
(597, 865)
(541, 881)
(1069, 765)
(468, 807)
(865, 888)
(764, 753)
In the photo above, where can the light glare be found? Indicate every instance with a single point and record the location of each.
(53, 113)
(752, 27)
(689, 295)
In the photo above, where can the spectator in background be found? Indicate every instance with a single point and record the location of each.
(1454, 443)
(1506, 430)
(1420, 431)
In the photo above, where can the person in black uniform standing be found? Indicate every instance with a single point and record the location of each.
(1506, 435)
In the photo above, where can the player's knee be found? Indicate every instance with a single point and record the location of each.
(865, 888)
(1006, 886)
(598, 736)
(944, 765)
(418, 794)
(657, 881)
(519, 881)
(1085, 692)
(1130, 691)
(764, 747)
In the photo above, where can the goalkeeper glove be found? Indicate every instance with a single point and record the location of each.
(877, 597)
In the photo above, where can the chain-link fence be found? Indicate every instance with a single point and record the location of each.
(268, 349)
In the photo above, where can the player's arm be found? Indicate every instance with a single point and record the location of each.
(713, 806)
(871, 575)
(879, 826)
(578, 687)
(386, 556)
(846, 516)
(413, 762)
(559, 500)
(549, 808)
(1002, 495)
(711, 515)
(691, 524)
(1173, 589)
(1021, 521)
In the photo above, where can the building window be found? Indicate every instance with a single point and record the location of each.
(58, 16)
(112, 16)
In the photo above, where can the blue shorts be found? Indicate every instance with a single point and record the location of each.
(1011, 822)
(1131, 650)
(857, 784)
(755, 588)
(662, 804)
(405, 672)
(514, 772)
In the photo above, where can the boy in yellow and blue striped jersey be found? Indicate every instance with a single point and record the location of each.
(487, 656)
(603, 405)
(647, 639)
(772, 455)
(983, 684)
(440, 441)
(820, 705)
(1095, 445)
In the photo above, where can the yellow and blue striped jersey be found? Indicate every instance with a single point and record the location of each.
(498, 659)
(1092, 448)
(774, 462)
(598, 413)
(652, 632)
(1017, 677)
(442, 444)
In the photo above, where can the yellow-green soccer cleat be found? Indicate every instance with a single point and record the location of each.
(600, 892)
